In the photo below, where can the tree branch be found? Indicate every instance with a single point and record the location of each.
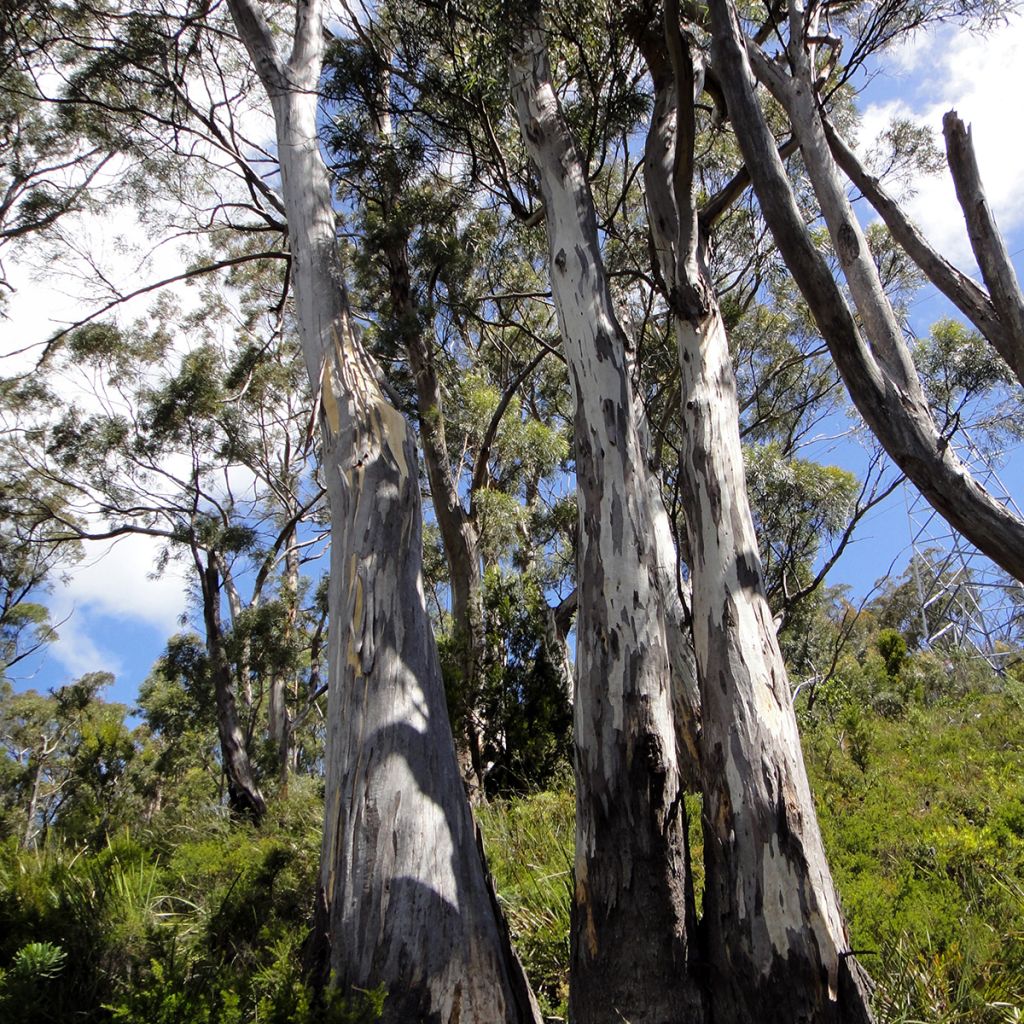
(255, 34)
(209, 268)
(955, 285)
(480, 466)
(715, 208)
(986, 240)
(907, 434)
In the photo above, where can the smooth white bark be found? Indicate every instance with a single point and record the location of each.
(404, 897)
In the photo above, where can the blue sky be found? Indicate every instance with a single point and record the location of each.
(117, 617)
(931, 73)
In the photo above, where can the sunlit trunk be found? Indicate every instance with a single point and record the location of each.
(404, 900)
(630, 922)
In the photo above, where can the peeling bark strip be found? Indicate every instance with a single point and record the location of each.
(630, 942)
(404, 898)
(907, 432)
(775, 942)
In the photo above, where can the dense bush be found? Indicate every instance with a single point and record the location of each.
(923, 817)
(196, 924)
(197, 919)
(924, 825)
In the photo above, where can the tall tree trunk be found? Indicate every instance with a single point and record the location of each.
(776, 942)
(244, 796)
(631, 915)
(404, 899)
(557, 623)
(279, 731)
(277, 724)
(28, 838)
(776, 945)
(459, 534)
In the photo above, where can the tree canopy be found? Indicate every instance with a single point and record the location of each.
(487, 411)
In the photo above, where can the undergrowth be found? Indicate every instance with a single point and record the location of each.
(201, 920)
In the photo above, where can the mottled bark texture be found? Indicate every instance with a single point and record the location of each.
(630, 921)
(876, 372)
(775, 945)
(404, 899)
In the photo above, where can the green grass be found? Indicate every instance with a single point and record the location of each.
(923, 820)
(922, 815)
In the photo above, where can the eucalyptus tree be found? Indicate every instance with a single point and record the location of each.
(872, 356)
(31, 556)
(153, 120)
(420, 241)
(403, 898)
(52, 739)
(50, 168)
(772, 927)
(208, 454)
(633, 912)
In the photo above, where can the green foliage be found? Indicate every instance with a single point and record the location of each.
(922, 818)
(797, 506)
(893, 648)
(521, 694)
(194, 919)
(190, 924)
(24, 984)
(966, 386)
(530, 852)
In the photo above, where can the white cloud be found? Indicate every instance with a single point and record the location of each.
(113, 584)
(77, 650)
(116, 580)
(979, 76)
(101, 612)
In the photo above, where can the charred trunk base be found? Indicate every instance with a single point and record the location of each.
(793, 990)
(632, 916)
(246, 804)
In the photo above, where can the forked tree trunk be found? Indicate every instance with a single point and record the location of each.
(631, 920)
(775, 943)
(404, 899)
(878, 372)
